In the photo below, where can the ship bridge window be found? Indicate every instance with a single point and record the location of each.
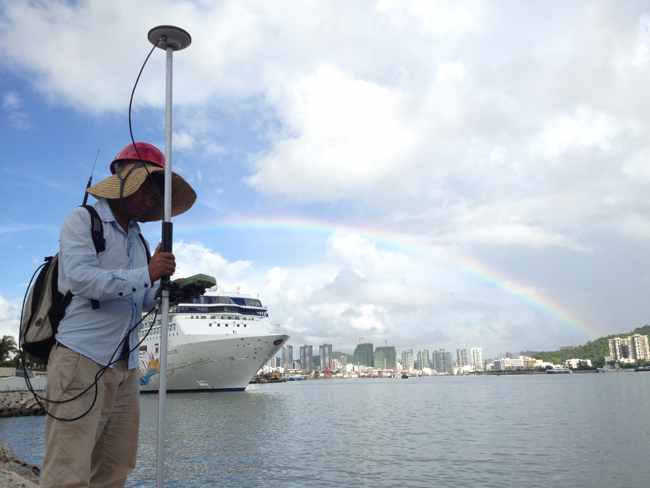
(192, 309)
(249, 302)
(222, 309)
(212, 300)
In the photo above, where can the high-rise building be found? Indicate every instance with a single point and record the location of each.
(287, 356)
(385, 357)
(639, 347)
(631, 348)
(363, 355)
(325, 353)
(462, 358)
(306, 354)
(408, 361)
(442, 361)
(616, 348)
(423, 359)
(476, 358)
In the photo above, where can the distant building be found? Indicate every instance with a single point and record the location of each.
(325, 353)
(337, 364)
(287, 356)
(306, 358)
(578, 363)
(341, 357)
(629, 349)
(442, 361)
(462, 358)
(363, 355)
(385, 357)
(639, 347)
(521, 362)
(618, 348)
(423, 359)
(407, 359)
(503, 364)
(476, 358)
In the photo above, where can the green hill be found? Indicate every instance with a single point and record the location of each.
(595, 350)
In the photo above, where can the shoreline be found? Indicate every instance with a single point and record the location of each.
(19, 404)
(15, 473)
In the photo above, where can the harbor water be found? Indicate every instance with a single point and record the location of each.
(580, 430)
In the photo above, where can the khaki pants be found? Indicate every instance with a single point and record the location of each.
(98, 450)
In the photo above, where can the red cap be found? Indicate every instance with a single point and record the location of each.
(143, 151)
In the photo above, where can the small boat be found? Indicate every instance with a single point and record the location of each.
(642, 368)
(296, 377)
(558, 371)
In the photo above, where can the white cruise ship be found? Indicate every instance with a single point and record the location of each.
(217, 342)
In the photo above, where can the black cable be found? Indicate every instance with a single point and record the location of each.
(98, 375)
(135, 85)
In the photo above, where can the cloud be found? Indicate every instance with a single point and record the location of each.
(9, 317)
(13, 104)
(347, 134)
(183, 141)
(635, 227)
(362, 290)
(194, 258)
(584, 129)
(465, 126)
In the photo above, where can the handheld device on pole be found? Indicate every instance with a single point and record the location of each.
(170, 39)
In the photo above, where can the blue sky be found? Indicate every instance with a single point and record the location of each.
(382, 143)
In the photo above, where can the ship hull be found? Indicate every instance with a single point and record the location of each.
(202, 363)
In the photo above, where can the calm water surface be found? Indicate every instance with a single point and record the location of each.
(535, 431)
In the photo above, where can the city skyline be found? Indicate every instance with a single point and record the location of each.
(365, 354)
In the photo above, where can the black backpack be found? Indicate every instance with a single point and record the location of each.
(44, 306)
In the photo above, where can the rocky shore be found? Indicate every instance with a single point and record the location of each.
(15, 473)
(18, 403)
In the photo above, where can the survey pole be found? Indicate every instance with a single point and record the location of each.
(170, 39)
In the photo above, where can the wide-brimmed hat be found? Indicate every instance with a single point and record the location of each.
(128, 177)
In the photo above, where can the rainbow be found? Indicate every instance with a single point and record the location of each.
(398, 240)
(527, 294)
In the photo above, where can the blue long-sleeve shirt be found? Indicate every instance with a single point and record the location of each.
(118, 278)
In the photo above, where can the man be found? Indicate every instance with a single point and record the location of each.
(110, 291)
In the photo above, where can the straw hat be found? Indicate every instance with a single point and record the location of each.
(129, 176)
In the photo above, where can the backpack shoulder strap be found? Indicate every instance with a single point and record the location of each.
(97, 233)
(96, 229)
(146, 247)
